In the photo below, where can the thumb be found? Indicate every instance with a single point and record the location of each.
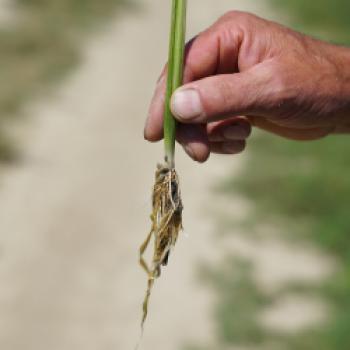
(221, 96)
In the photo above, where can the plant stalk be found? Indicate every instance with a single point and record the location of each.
(175, 74)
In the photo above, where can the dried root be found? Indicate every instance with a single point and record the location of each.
(166, 225)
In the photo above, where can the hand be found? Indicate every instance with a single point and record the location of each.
(281, 81)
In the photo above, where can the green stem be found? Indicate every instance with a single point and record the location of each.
(175, 73)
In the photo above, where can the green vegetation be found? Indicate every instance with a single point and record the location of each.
(323, 18)
(175, 73)
(238, 302)
(304, 187)
(41, 45)
(303, 190)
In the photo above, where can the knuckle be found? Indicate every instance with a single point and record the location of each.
(243, 19)
(238, 22)
(235, 15)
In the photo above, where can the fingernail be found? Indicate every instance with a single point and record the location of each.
(235, 133)
(231, 148)
(190, 151)
(186, 104)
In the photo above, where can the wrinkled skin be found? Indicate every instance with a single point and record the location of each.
(245, 71)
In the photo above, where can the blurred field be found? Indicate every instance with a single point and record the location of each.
(299, 193)
(327, 19)
(38, 46)
(270, 238)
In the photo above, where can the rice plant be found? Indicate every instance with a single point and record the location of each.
(166, 215)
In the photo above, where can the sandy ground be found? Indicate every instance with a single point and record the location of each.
(7, 13)
(74, 211)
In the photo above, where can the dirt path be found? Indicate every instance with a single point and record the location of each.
(6, 12)
(73, 213)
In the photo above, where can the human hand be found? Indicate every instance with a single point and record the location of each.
(280, 80)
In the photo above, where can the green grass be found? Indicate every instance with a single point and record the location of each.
(323, 18)
(238, 302)
(302, 183)
(41, 46)
(305, 186)
(303, 189)
(175, 74)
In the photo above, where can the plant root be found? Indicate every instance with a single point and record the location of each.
(166, 220)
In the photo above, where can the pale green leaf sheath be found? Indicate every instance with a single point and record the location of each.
(175, 74)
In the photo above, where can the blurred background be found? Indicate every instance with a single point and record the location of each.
(264, 260)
